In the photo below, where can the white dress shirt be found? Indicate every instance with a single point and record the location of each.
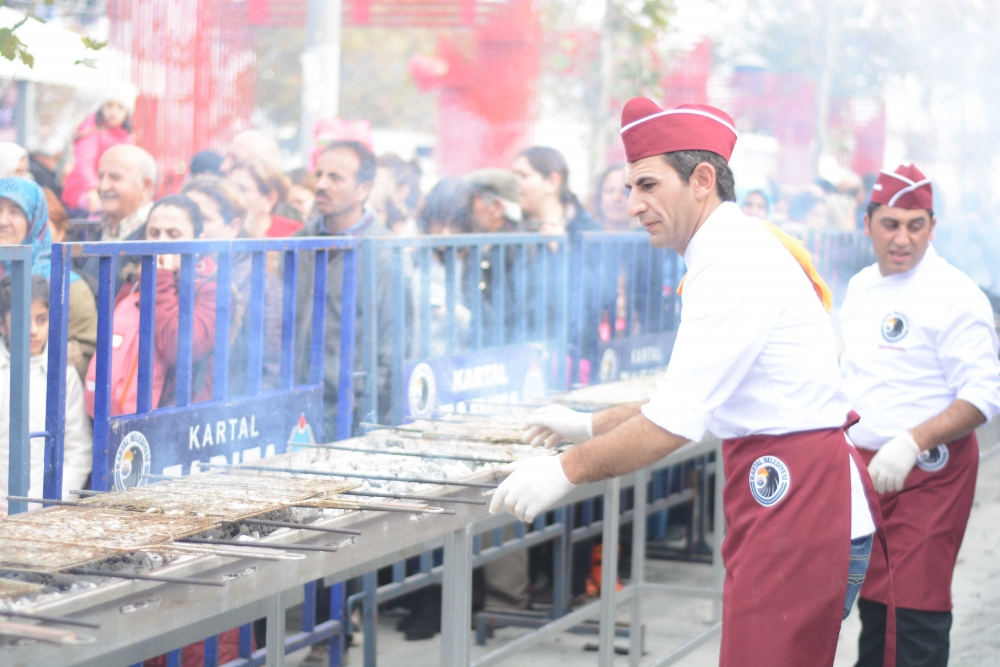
(915, 342)
(755, 351)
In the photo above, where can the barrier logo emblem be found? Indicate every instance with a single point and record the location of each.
(895, 327)
(609, 366)
(422, 391)
(302, 433)
(932, 460)
(769, 480)
(132, 461)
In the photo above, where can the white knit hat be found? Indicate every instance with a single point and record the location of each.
(125, 93)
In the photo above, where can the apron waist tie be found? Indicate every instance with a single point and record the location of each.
(889, 653)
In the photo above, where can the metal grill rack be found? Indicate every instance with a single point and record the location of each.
(139, 619)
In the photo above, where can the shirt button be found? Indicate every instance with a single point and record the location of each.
(485, 264)
(482, 286)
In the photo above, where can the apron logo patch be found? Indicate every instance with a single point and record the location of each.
(769, 480)
(894, 327)
(932, 460)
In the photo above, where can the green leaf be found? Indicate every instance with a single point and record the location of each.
(93, 45)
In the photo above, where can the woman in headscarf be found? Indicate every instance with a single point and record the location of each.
(24, 218)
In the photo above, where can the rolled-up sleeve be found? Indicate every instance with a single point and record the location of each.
(967, 349)
(725, 325)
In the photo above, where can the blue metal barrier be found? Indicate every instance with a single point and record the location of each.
(19, 441)
(472, 317)
(252, 422)
(838, 256)
(626, 306)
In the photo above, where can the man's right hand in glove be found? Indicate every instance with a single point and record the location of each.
(554, 424)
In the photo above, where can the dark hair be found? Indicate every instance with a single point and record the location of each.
(186, 204)
(874, 206)
(206, 162)
(366, 159)
(101, 122)
(685, 162)
(599, 191)
(448, 202)
(39, 292)
(222, 193)
(547, 161)
(303, 178)
(404, 173)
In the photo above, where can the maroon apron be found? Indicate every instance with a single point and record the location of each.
(787, 503)
(925, 523)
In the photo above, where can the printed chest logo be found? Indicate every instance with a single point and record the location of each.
(932, 460)
(895, 327)
(769, 480)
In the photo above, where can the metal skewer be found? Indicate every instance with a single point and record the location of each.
(300, 526)
(410, 496)
(436, 435)
(366, 494)
(43, 633)
(229, 552)
(259, 545)
(87, 572)
(353, 475)
(49, 619)
(363, 450)
(365, 507)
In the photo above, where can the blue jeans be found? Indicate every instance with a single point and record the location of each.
(861, 551)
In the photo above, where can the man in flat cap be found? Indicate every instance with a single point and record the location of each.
(754, 363)
(920, 366)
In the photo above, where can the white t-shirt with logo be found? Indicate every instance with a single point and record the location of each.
(915, 342)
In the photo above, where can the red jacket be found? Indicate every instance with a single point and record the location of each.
(125, 343)
(194, 654)
(89, 145)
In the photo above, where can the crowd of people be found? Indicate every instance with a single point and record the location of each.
(107, 190)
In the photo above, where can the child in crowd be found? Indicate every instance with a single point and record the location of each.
(78, 441)
(109, 126)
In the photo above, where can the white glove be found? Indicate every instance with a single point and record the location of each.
(554, 423)
(533, 486)
(893, 462)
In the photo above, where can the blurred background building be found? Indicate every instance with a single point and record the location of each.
(824, 94)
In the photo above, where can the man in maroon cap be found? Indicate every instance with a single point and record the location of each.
(754, 363)
(920, 366)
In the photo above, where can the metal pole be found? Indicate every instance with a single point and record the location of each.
(320, 69)
(55, 402)
(456, 608)
(369, 617)
(718, 532)
(609, 572)
(18, 474)
(276, 630)
(638, 565)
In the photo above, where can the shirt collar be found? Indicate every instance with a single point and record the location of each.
(131, 223)
(700, 243)
(357, 229)
(929, 258)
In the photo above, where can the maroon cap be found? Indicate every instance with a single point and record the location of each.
(649, 130)
(907, 187)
